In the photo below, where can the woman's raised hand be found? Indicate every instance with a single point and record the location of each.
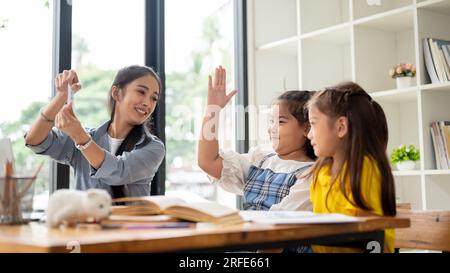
(67, 122)
(217, 89)
(65, 78)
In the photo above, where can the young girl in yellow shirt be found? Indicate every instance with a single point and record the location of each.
(352, 175)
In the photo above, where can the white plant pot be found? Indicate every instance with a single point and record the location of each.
(404, 82)
(406, 165)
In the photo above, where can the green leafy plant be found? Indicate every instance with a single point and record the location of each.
(404, 153)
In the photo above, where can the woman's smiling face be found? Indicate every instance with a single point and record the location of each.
(138, 100)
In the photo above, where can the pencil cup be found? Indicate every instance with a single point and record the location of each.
(16, 199)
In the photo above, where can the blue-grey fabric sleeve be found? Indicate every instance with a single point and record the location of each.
(137, 166)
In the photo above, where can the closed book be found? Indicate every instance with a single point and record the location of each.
(445, 131)
(437, 61)
(435, 146)
(446, 51)
(429, 64)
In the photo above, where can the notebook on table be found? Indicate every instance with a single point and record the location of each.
(296, 217)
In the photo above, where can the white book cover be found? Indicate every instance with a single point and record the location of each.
(441, 45)
(442, 151)
(429, 62)
(441, 126)
(436, 151)
(444, 63)
(440, 146)
(447, 137)
(437, 61)
(446, 50)
(296, 217)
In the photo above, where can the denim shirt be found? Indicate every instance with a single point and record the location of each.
(135, 169)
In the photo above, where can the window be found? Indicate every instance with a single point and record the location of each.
(194, 46)
(26, 69)
(106, 36)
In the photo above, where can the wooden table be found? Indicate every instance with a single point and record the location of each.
(36, 237)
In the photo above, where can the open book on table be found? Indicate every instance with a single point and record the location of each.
(295, 217)
(178, 208)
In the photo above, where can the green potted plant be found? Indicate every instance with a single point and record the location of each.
(404, 74)
(405, 157)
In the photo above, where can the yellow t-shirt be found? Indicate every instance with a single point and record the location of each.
(337, 203)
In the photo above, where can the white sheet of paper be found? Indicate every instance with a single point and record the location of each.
(69, 94)
(6, 154)
(295, 217)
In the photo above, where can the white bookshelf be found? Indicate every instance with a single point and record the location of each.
(311, 44)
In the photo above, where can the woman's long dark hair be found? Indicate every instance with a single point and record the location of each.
(367, 136)
(123, 77)
(296, 102)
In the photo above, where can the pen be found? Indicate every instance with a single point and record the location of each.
(147, 226)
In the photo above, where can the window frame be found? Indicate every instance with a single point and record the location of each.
(155, 58)
(62, 60)
(241, 76)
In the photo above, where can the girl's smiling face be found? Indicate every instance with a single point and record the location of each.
(285, 132)
(138, 100)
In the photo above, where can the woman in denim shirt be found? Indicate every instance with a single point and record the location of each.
(120, 156)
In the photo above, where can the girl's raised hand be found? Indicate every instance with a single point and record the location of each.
(217, 89)
(65, 78)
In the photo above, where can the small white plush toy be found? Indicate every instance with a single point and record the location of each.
(72, 206)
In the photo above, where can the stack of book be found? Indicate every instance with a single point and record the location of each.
(437, 59)
(440, 134)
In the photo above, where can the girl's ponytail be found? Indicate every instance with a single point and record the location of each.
(387, 180)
